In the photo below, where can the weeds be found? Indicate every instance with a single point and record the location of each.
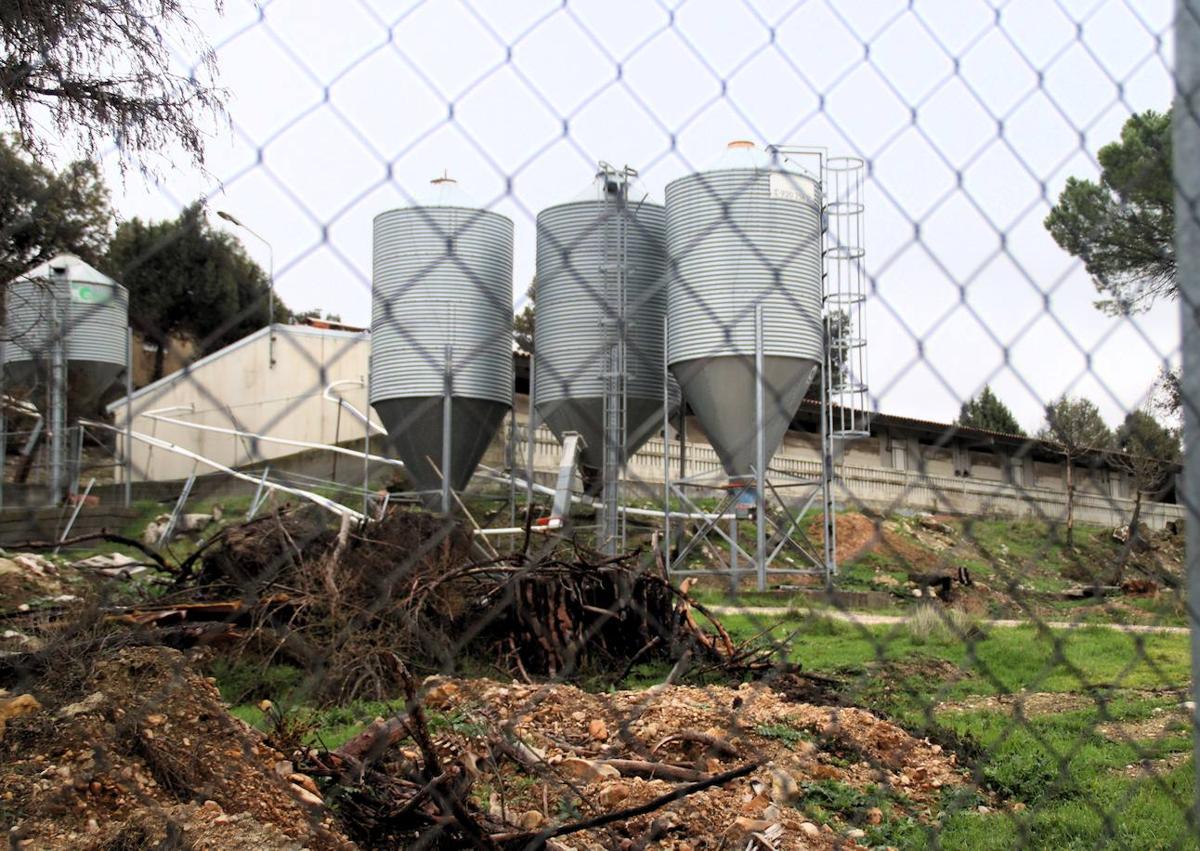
(937, 624)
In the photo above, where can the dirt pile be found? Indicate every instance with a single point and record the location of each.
(859, 535)
(141, 752)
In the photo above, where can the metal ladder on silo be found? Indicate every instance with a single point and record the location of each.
(615, 266)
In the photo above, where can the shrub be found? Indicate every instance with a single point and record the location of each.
(936, 624)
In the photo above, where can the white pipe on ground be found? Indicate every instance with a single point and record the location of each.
(302, 444)
(329, 504)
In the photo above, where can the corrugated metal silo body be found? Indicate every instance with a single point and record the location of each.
(65, 296)
(575, 241)
(744, 233)
(442, 276)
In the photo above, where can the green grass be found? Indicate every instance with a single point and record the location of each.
(1001, 659)
(1059, 766)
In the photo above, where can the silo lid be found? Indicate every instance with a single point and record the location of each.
(744, 154)
(444, 191)
(67, 267)
(597, 190)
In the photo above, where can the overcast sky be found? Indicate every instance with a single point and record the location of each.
(971, 115)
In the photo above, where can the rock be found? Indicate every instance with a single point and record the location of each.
(874, 815)
(153, 532)
(283, 768)
(36, 564)
(856, 833)
(14, 707)
(306, 796)
(193, 522)
(809, 829)
(613, 794)
(1018, 807)
(784, 787)
(305, 781)
(598, 730)
(983, 811)
(585, 770)
(93, 826)
(89, 704)
(440, 693)
(213, 806)
(751, 825)
(531, 820)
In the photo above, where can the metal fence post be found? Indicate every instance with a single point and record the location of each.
(1186, 169)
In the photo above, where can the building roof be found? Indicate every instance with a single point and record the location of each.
(212, 357)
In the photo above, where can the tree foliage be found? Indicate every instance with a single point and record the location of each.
(837, 327)
(184, 276)
(44, 213)
(1075, 426)
(523, 321)
(1123, 227)
(1147, 450)
(88, 70)
(987, 412)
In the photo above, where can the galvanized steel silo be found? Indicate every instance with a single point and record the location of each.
(745, 232)
(65, 298)
(442, 289)
(579, 244)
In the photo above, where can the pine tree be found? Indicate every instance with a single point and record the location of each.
(987, 412)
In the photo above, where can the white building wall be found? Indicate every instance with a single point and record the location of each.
(237, 388)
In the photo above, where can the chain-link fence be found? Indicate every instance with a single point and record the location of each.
(809, 502)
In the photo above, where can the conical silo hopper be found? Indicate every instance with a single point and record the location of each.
(442, 295)
(579, 244)
(65, 299)
(743, 233)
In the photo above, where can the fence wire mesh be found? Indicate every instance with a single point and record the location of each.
(664, 565)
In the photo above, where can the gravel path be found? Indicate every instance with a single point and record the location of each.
(869, 619)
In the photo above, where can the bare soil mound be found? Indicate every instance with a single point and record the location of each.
(143, 755)
(550, 760)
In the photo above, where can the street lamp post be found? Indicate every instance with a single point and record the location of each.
(232, 219)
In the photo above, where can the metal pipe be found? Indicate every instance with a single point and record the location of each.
(666, 448)
(447, 396)
(530, 428)
(128, 459)
(350, 382)
(75, 514)
(305, 444)
(158, 442)
(1186, 171)
(510, 461)
(58, 413)
(550, 525)
(760, 460)
(3, 424)
(76, 460)
(734, 549)
(258, 492)
(366, 459)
